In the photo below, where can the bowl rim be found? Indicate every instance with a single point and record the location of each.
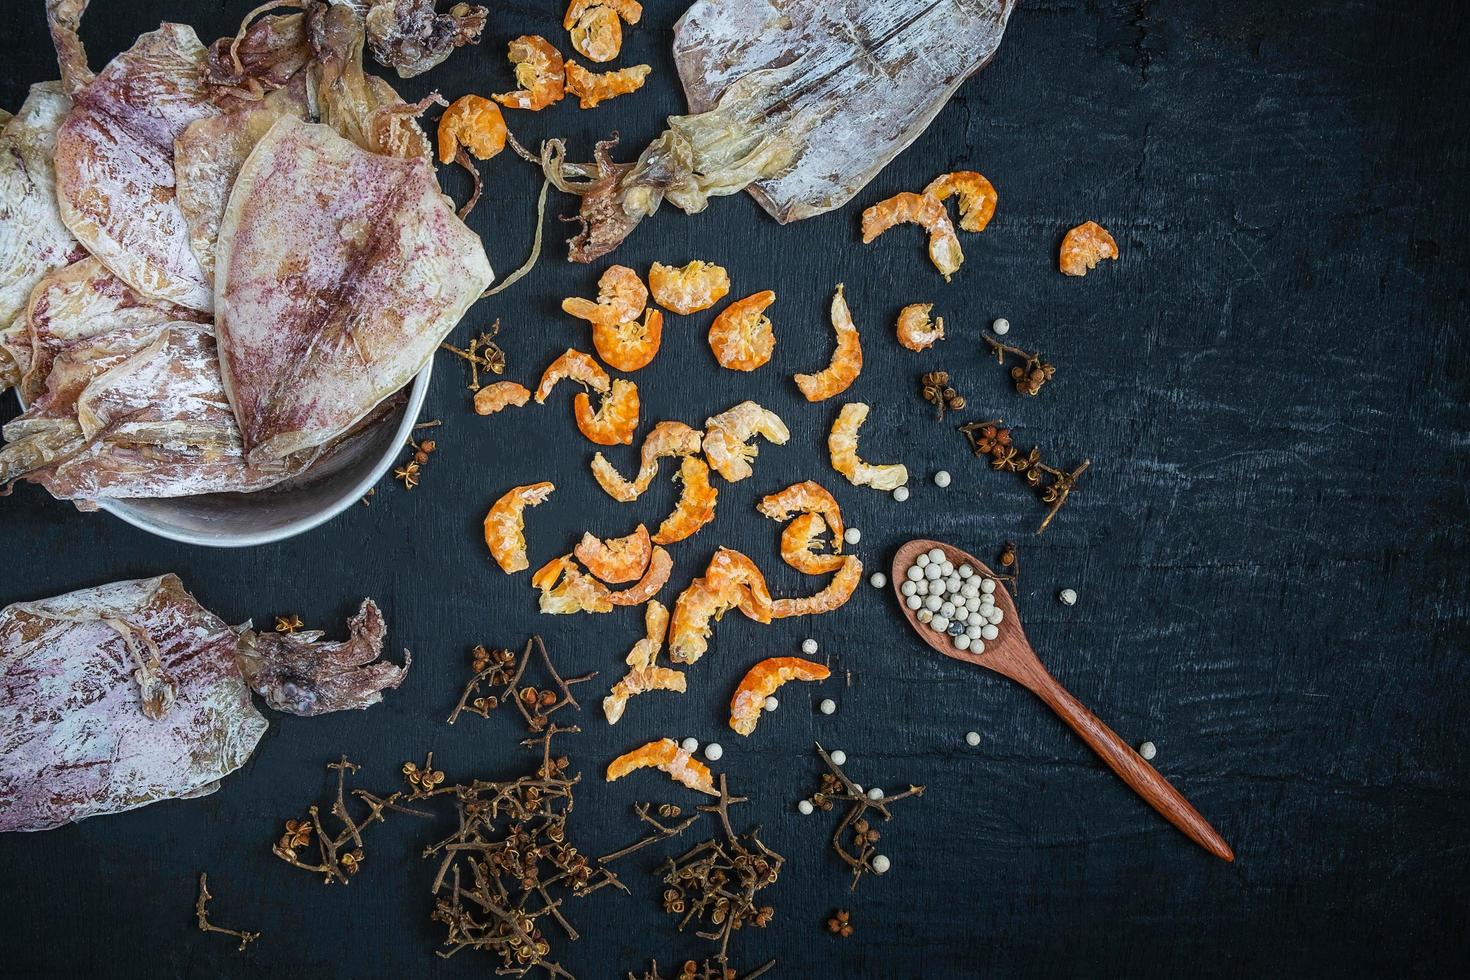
(123, 510)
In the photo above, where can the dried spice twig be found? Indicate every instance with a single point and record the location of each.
(536, 705)
(707, 970)
(340, 855)
(661, 830)
(1052, 485)
(859, 852)
(201, 914)
(934, 388)
(1028, 376)
(483, 353)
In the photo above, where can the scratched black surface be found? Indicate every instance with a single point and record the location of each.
(1269, 548)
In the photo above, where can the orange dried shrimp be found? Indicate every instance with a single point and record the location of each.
(847, 360)
(631, 345)
(763, 680)
(741, 336)
(977, 197)
(660, 564)
(628, 10)
(842, 445)
(579, 367)
(565, 589)
(616, 559)
(837, 592)
(926, 212)
(643, 675)
(473, 122)
(505, 525)
(727, 438)
(540, 74)
(665, 755)
(694, 287)
(696, 506)
(665, 439)
(915, 331)
(807, 497)
(732, 580)
(797, 540)
(502, 394)
(594, 88)
(615, 420)
(621, 296)
(596, 26)
(1084, 247)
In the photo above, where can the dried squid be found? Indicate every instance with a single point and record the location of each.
(411, 37)
(33, 240)
(643, 673)
(395, 264)
(115, 697)
(802, 102)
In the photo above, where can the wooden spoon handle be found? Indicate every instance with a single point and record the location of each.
(1141, 777)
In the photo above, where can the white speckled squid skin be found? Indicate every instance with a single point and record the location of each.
(338, 273)
(115, 165)
(74, 741)
(856, 81)
(33, 240)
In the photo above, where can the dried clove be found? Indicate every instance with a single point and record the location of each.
(201, 914)
(855, 836)
(1052, 485)
(1028, 376)
(840, 923)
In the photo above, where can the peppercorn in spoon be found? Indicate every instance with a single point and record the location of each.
(1009, 653)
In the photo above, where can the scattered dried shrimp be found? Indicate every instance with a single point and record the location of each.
(847, 360)
(842, 445)
(926, 212)
(689, 289)
(741, 336)
(915, 330)
(763, 680)
(505, 525)
(665, 755)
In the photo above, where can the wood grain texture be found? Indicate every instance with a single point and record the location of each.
(1269, 547)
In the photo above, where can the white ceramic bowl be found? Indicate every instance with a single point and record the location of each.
(241, 520)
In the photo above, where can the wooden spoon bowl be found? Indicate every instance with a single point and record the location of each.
(1011, 655)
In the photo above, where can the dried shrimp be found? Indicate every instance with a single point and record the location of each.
(577, 366)
(615, 560)
(915, 330)
(732, 580)
(689, 289)
(977, 197)
(594, 88)
(629, 346)
(597, 28)
(837, 592)
(502, 394)
(660, 564)
(741, 336)
(621, 296)
(847, 360)
(1084, 247)
(763, 680)
(475, 123)
(926, 212)
(696, 506)
(615, 420)
(807, 497)
(797, 540)
(665, 439)
(842, 445)
(665, 755)
(727, 438)
(505, 525)
(540, 73)
(565, 589)
(643, 675)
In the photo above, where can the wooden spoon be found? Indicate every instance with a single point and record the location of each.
(1010, 654)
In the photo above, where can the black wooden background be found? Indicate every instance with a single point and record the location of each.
(1269, 548)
